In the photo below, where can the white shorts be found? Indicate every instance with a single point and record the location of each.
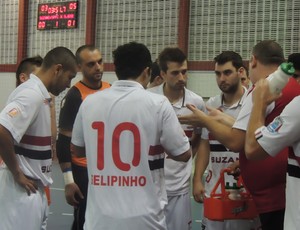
(45, 221)
(231, 224)
(18, 210)
(178, 212)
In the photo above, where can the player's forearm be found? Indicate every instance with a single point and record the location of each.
(232, 138)
(7, 151)
(201, 160)
(221, 117)
(257, 119)
(66, 132)
(228, 136)
(66, 169)
(63, 147)
(53, 120)
(64, 166)
(227, 120)
(195, 143)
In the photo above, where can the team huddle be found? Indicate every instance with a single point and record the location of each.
(126, 149)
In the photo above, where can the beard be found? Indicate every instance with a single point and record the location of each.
(230, 89)
(180, 85)
(94, 78)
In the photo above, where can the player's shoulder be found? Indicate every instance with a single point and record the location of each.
(296, 99)
(154, 96)
(192, 94)
(155, 101)
(156, 89)
(73, 92)
(156, 93)
(214, 101)
(28, 91)
(103, 95)
(193, 98)
(105, 85)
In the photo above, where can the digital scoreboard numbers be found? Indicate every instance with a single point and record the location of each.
(58, 15)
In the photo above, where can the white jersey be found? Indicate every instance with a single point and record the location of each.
(285, 131)
(178, 174)
(125, 136)
(244, 115)
(27, 117)
(220, 157)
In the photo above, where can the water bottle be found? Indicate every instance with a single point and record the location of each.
(234, 191)
(280, 77)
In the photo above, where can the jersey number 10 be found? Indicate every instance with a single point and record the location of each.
(125, 126)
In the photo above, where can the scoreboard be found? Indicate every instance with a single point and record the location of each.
(58, 15)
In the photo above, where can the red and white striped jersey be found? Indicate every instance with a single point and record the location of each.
(284, 131)
(125, 130)
(27, 117)
(178, 174)
(220, 157)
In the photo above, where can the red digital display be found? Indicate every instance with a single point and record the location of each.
(58, 15)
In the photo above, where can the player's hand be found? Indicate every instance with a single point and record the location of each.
(219, 116)
(72, 191)
(198, 191)
(27, 183)
(214, 113)
(194, 119)
(235, 169)
(261, 93)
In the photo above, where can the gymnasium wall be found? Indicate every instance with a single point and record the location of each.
(202, 28)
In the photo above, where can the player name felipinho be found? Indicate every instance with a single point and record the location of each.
(120, 181)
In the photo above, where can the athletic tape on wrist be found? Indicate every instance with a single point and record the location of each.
(68, 177)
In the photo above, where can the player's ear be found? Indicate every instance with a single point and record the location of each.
(159, 80)
(146, 72)
(253, 61)
(163, 74)
(145, 77)
(241, 72)
(57, 68)
(23, 77)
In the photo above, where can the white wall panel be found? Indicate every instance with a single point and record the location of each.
(237, 25)
(9, 12)
(152, 22)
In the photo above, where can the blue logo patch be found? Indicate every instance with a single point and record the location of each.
(275, 125)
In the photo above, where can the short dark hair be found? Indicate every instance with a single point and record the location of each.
(232, 56)
(131, 59)
(170, 54)
(246, 70)
(295, 59)
(27, 65)
(60, 55)
(268, 52)
(80, 49)
(155, 71)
